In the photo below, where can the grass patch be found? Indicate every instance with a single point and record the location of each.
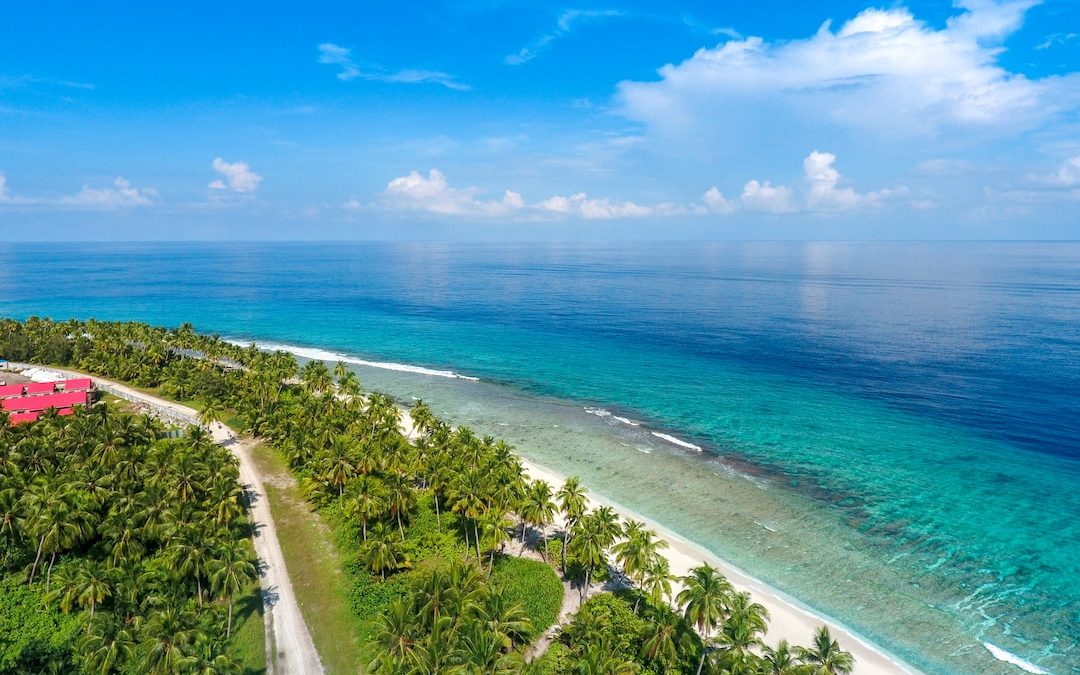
(248, 644)
(534, 585)
(315, 567)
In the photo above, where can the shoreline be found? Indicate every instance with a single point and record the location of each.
(788, 618)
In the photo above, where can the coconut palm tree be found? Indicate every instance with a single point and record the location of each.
(507, 621)
(826, 657)
(572, 503)
(366, 501)
(637, 552)
(780, 660)
(211, 413)
(399, 498)
(663, 639)
(395, 638)
(230, 570)
(656, 583)
(589, 547)
(382, 552)
(470, 495)
(166, 634)
(740, 635)
(103, 652)
(537, 509)
(704, 600)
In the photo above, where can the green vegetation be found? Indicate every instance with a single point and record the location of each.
(120, 552)
(429, 531)
(307, 544)
(534, 586)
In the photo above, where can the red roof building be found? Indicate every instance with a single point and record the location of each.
(45, 401)
(77, 384)
(19, 418)
(40, 388)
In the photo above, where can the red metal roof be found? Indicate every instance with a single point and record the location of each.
(77, 384)
(19, 418)
(63, 412)
(40, 387)
(10, 390)
(46, 401)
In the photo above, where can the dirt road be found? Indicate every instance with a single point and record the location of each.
(289, 649)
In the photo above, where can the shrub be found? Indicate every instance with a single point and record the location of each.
(534, 586)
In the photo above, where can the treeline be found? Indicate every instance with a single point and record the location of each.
(433, 522)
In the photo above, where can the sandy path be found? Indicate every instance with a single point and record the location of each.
(289, 648)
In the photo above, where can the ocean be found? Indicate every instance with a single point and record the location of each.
(888, 432)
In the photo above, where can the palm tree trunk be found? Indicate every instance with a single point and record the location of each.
(701, 663)
(588, 582)
(565, 544)
(364, 524)
(48, 575)
(438, 516)
(399, 527)
(33, 569)
(476, 537)
(228, 629)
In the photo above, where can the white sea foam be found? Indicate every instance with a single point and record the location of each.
(676, 441)
(625, 420)
(325, 355)
(1008, 657)
(599, 412)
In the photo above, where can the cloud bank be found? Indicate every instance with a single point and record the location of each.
(121, 193)
(823, 191)
(883, 71)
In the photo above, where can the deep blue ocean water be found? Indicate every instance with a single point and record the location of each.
(904, 416)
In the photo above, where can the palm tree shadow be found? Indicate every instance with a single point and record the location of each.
(270, 596)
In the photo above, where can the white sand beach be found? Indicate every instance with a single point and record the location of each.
(787, 620)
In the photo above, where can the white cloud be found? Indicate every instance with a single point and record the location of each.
(238, 176)
(120, 194)
(766, 197)
(580, 204)
(1067, 175)
(823, 180)
(563, 26)
(715, 202)
(823, 191)
(884, 71)
(1056, 40)
(435, 195)
(332, 54)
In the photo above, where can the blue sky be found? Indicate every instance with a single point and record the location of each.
(523, 120)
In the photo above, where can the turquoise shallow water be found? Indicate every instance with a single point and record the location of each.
(890, 430)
